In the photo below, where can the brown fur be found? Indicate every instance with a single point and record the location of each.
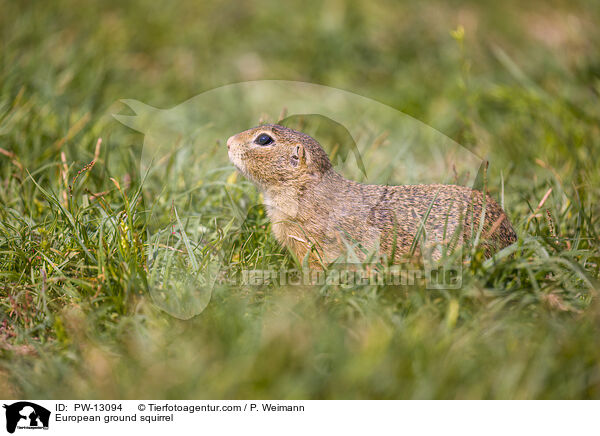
(314, 209)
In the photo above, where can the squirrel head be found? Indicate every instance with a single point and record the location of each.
(274, 156)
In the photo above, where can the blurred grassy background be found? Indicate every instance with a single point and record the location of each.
(517, 83)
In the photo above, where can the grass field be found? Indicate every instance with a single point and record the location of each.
(518, 84)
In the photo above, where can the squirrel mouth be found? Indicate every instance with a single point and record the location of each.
(237, 162)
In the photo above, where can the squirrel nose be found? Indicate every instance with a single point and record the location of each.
(229, 142)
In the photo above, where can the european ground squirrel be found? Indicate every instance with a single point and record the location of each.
(314, 210)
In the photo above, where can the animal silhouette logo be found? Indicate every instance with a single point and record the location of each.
(186, 171)
(26, 415)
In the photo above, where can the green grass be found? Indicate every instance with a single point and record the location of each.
(520, 87)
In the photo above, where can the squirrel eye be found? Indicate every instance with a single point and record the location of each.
(263, 139)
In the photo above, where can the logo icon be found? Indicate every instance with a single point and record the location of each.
(26, 415)
(184, 162)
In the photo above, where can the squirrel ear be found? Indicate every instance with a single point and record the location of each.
(299, 155)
